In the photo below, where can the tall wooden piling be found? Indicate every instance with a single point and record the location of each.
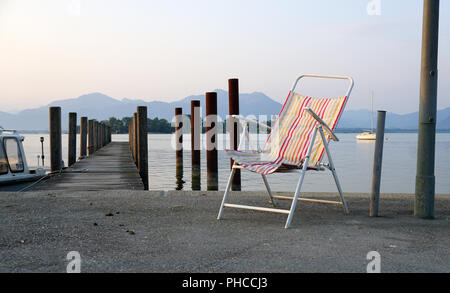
(72, 146)
(102, 134)
(424, 204)
(179, 148)
(211, 142)
(142, 139)
(195, 144)
(377, 165)
(55, 139)
(95, 132)
(97, 136)
(135, 137)
(233, 95)
(91, 137)
(83, 136)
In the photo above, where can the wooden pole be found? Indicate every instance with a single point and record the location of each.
(142, 139)
(135, 138)
(95, 136)
(55, 139)
(91, 137)
(212, 163)
(195, 145)
(425, 176)
(83, 136)
(179, 147)
(102, 134)
(233, 92)
(130, 139)
(98, 135)
(377, 164)
(72, 147)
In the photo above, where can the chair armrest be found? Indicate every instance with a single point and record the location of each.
(251, 121)
(324, 125)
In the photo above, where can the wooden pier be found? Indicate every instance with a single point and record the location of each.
(110, 168)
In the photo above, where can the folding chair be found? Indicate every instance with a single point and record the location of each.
(297, 143)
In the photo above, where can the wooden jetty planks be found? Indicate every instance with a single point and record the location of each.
(111, 167)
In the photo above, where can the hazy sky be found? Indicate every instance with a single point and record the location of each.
(167, 50)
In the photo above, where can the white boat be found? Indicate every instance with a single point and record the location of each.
(13, 164)
(366, 136)
(369, 134)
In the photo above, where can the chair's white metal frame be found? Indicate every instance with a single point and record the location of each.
(321, 128)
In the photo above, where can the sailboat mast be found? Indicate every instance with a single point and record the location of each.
(371, 116)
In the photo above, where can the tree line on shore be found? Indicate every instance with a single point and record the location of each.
(156, 125)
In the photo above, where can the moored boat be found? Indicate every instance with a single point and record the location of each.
(13, 164)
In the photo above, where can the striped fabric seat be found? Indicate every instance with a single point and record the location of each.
(288, 143)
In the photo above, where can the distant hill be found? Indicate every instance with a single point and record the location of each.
(102, 107)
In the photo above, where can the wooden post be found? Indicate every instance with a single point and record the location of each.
(195, 144)
(83, 136)
(95, 146)
(91, 137)
(233, 92)
(55, 139)
(142, 137)
(129, 139)
(135, 137)
(102, 134)
(179, 147)
(212, 163)
(424, 204)
(72, 147)
(98, 134)
(377, 164)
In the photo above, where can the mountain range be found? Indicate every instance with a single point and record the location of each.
(101, 107)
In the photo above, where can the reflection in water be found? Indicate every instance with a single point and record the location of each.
(196, 170)
(179, 171)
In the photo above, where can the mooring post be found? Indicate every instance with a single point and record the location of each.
(179, 148)
(55, 139)
(72, 146)
(377, 164)
(91, 137)
(95, 147)
(135, 137)
(196, 144)
(102, 134)
(129, 138)
(142, 139)
(233, 94)
(212, 163)
(99, 135)
(425, 178)
(83, 136)
(105, 134)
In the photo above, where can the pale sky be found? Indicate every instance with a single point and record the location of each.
(166, 50)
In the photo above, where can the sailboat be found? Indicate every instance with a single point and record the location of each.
(369, 134)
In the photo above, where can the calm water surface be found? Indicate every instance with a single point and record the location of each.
(353, 160)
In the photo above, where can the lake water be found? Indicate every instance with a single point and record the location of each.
(353, 160)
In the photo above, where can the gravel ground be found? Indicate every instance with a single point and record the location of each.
(142, 231)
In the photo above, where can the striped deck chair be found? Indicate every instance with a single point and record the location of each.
(298, 141)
